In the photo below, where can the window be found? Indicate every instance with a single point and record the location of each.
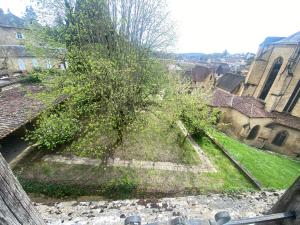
(271, 78)
(19, 35)
(21, 64)
(293, 99)
(280, 138)
(253, 133)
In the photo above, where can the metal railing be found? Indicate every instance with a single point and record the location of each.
(221, 218)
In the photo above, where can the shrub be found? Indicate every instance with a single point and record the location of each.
(54, 129)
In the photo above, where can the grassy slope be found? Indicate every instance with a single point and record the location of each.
(272, 170)
(228, 174)
(157, 142)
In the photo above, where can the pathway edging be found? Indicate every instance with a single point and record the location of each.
(167, 166)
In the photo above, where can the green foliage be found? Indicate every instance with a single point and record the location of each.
(120, 188)
(104, 98)
(190, 106)
(52, 189)
(196, 114)
(32, 78)
(53, 129)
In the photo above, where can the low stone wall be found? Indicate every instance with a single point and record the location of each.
(202, 168)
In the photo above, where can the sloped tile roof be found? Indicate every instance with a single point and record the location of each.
(285, 119)
(253, 108)
(248, 106)
(230, 82)
(17, 108)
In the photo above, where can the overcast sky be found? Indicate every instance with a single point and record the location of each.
(215, 25)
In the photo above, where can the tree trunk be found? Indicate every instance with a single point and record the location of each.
(15, 206)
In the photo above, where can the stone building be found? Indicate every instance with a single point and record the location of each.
(202, 77)
(14, 58)
(267, 112)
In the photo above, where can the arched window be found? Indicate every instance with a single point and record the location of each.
(280, 138)
(253, 133)
(293, 99)
(271, 78)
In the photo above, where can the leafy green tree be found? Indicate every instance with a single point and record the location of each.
(112, 78)
(189, 106)
(106, 101)
(30, 15)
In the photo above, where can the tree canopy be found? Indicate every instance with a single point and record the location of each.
(112, 77)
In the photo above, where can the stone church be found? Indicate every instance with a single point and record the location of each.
(266, 113)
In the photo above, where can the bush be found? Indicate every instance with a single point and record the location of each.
(54, 129)
(32, 78)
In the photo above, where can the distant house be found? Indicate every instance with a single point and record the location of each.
(202, 77)
(174, 68)
(231, 83)
(14, 58)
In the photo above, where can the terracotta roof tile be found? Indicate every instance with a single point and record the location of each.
(287, 120)
(17, 108)
(249, 106)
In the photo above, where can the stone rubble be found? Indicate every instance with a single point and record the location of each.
(153, 210)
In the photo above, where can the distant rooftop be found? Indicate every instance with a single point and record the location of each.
(10, 20)
(230, 82)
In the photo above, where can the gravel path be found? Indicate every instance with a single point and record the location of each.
(114, 212)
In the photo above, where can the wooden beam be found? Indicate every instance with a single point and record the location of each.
(15, 206)
(289, 202)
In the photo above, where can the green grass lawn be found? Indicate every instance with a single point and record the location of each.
(228, 177)
(272, 170)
